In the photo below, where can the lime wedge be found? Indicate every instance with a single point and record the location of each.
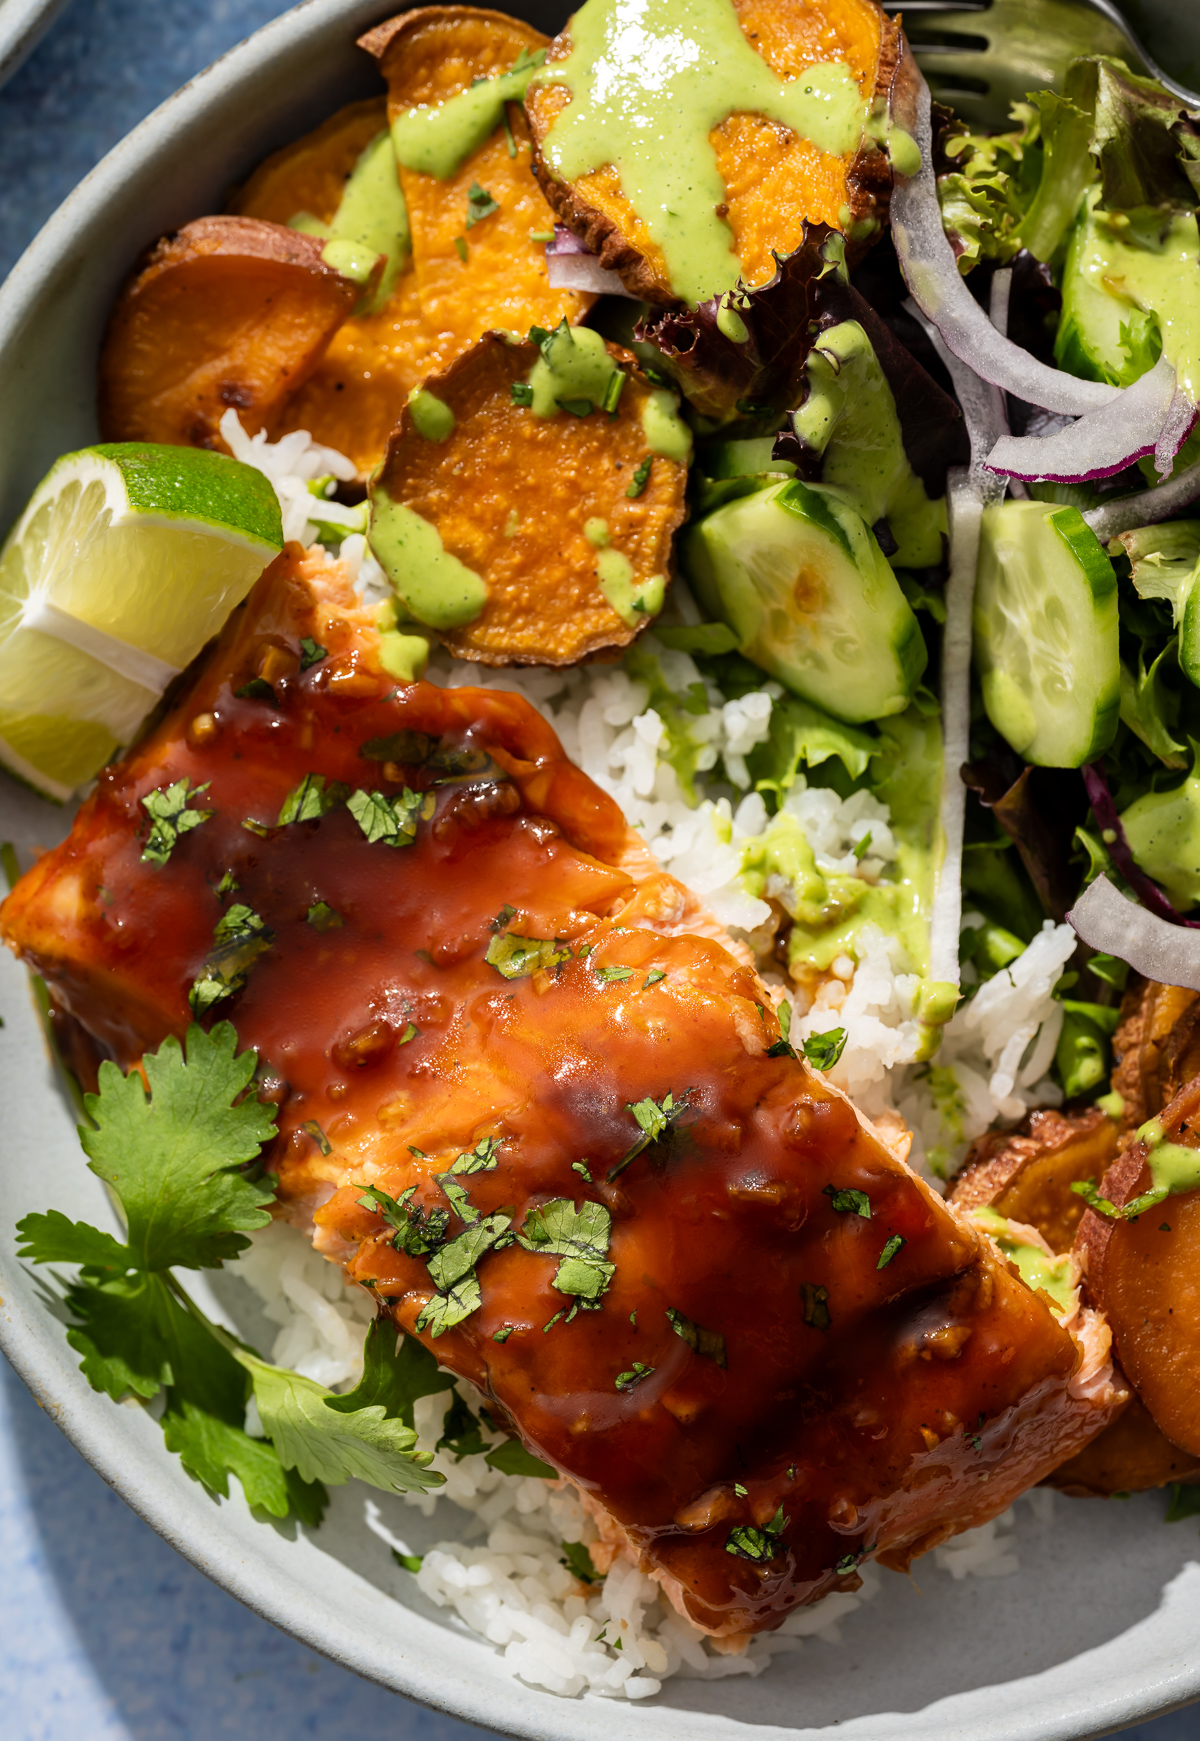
(126, 560)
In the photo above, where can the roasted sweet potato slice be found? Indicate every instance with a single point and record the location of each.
(476, 255)
(356, 392)
(1144, 1273)
(1157, 1047)
(1127, 1457)
(773, 178)
(1026, 1174)
(228, 311)
(527, 538)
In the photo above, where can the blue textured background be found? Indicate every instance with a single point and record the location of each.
(105, 1633)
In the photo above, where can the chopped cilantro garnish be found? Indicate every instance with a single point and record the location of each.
(322, 917)
(823, 1050)
(502, 917)
(461, 1431)
(408, 1562)
(460, 248)
(582, 1168)
(652, 978)
(577, 407)
(849, 1201)
(457, 1197)
(816, 1306)
(1086, 1188)
(848, 1563)
(641, 478)
(612, 392)
(518, 957)
(310, 653)
(452, 1271)
(171, 814)
(411, 1032)
(312, 798)
(580, 1238)
(578, 1561)
(227, 886)
(710, 1343)
(511, 1458)
(522, 392)
(258, 689)
(318, 1135)
(480, 1159)
(262, 829)
(390, 820)
(239, 938)
(758, 1545)
(503, 1335)
(417, 1233)
(863, 847)
(637, 1372)
(889, 1251)
(614, 975)
(480, 205)
(739, 1490)
(655, 1119)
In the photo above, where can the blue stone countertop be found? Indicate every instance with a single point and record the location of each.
(106, 1634)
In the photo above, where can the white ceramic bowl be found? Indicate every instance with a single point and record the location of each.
(1100, 1627)
(23, 23)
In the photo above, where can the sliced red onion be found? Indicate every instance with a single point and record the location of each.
(1178, 425)
(569, 266)
(1147, 508)
(1101, 443)
(982, 407)
(1113, 834)
(1109, 923)
(932, 274)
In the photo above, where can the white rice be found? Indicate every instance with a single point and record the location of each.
(618, 1637)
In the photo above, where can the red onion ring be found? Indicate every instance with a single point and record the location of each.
(1101, 443)
(1108, 922)
(570, 266)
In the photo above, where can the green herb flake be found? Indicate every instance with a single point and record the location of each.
(863, 847)
(511, 1458)
(408, 1562)
(462, 1433)
(889, 1251)
(635, 1375)
(614, 975)
(263, 830)
(518, 957)
(816, 1306)
(849, 1202)
(311, 654)
(709, 1343)
(580, 1239)
(741, 1491)
(522, 392)
(578, 1561)
(847, 1564)
(227, 886)
(822, 1051)
(314, 797)
(480, 1159)
(258, 689)
(171, 814)
(582, 1168)
(612, 392)
(652, 978)
(503, 1335)
(480, 205)
(576, 407)
(318, 1135)
(452, 1271)
(757, 1545)
(390, 820)
(656, 1119)
(503, 917)
(416, 1232)
(411, 1032)
(239, 938)
(322, 917)
(641, 478)
(460, 248)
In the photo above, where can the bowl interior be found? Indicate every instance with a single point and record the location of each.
(1098, 1628)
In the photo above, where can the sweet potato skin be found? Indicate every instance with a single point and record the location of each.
(1144, 1274)
(427, 56)
(1026, 1174)
(227, 312)
(775, 180)
(1130, 1456)
(1157, 1047)
(353, 397)
(510, 494)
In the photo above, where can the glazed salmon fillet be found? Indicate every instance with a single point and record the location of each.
(470, 994)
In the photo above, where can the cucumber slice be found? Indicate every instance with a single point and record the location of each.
(800, 579)
(1046, 642)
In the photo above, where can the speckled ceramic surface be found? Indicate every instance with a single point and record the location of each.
(23, 23)
(1100, 1627)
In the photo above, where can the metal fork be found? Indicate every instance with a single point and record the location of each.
(982, 55)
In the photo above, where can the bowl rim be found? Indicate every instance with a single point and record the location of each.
(100, 1432)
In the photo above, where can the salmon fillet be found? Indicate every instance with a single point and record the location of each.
(754, 1384)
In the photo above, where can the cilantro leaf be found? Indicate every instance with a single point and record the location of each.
(452, 1271)
(521, 392)
(823, 1050)
(239, 938)
(580, 1238)
(457, 1197)
(211, 1449)
(310, 653)
(329, 1443)
(517, 957)
(119, 1334)
(322, 917)
(656, 1119)
(637, 1372)
(849, 1201)
(641, 478)
(390, 820)
(397, 1370)
(443, 1310)
(511, 1458)
(578, 1561)
(758, 1545)
(51, 1238)
(462, 1432)
(171, 814)
(480, 1159)
(889, 1251)
(312, 798)
(172, 1156)
(710, 1343)
(480, 204)
(614, 975)
(417, 1232)
(1185, 1499)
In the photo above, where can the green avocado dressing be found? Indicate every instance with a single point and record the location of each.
(665, 431)
(432, 417)
(436, 587)
(1050, 1274)
(649, 81)
(849, 419)
(371, 219)
(1131, 285)
(573, 367)
(437, 140)
(632, 603)
(1173, 1168)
